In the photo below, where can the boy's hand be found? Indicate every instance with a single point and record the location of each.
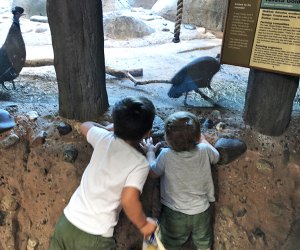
(147, 145)
(149, 227)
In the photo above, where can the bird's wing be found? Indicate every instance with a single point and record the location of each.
(6, 69)
(187, 85)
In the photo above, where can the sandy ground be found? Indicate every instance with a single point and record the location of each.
(258, 195)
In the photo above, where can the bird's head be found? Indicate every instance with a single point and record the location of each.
(17, 12)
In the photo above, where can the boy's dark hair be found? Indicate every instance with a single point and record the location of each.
(133, 117)
(182, 130)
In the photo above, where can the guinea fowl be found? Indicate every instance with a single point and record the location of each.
(13, 52)
(197, 74)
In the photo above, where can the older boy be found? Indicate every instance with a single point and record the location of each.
(113, 180)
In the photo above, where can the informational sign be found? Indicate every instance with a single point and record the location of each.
(263, 34)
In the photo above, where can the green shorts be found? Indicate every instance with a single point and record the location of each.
(176, 228)
(68, 237)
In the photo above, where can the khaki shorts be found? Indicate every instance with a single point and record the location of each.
(68, 237)
(176, 228)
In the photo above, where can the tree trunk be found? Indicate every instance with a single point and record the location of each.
(269, 101)
(78, 45)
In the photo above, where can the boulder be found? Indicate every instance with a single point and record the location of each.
(123, 27)
(204, 13)
(229, 149)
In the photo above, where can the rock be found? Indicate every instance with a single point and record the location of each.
(293, 240)
(64, 128)
(32, 244)
(39, 139)
(276, 208)
(158, 127)
(265, 166)
(10, 140)
(241, 212)
(215, 115)
(114, 5)
(70, 154)
(208, 123)
(2, 218)
(229, 149)
(41, 19)
(9, 203)
(32, 115)
(123, 27)
(227, 211)
(220, 126)
(147, 17)
(205, 13)
(259, 233)
(41, 30)
(201, 30)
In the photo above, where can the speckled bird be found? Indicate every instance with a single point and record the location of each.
(195, 75)
(13, 51)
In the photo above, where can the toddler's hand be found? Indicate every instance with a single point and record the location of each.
(147, 145)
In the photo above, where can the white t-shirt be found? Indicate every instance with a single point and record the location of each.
(95, 205)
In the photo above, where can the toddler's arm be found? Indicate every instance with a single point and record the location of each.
(150, 149)
(133, 209)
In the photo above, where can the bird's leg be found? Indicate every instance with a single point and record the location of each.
(213, 91)
(3, 86)
(206, 98)
(185, 99)
(13, 83)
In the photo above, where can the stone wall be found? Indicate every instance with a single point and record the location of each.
(204, 13)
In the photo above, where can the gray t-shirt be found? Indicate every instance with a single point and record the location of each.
(186, 182)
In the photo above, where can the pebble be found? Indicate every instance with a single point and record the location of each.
(9, 203)
(64, 128)
(220, 126)
(41, 30)
(215, 114)
(227, 211)
(2, 218)
(32, 244)
(208, 124)
(265, 166)
(10, 140)
(32, 115)
(70, 154)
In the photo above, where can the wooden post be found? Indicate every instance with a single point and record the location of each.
(269, 101)
(78, 46)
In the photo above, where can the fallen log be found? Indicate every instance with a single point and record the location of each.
(108, 70)
(39, 62)
(130, 74)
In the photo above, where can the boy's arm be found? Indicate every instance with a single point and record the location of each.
(133, 209)
(86, 126)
